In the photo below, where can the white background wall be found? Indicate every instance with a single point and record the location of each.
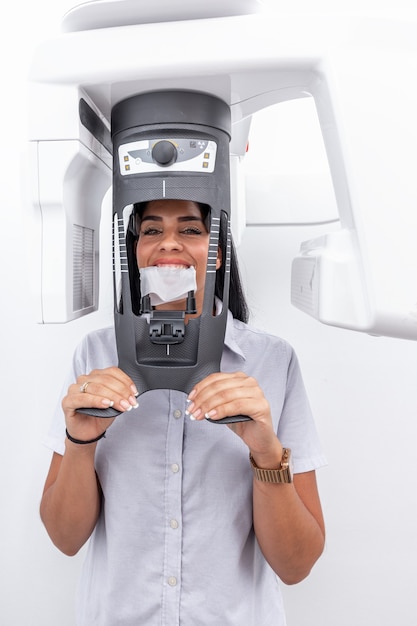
(362, 389)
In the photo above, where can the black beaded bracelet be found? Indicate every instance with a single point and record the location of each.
(80, 441)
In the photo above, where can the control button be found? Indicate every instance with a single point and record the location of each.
(177, 414)
(172, 581)
(164, 153)
(174, 524)
(175, 468)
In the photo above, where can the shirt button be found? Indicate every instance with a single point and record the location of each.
(177, 414)
(175, 468)
(173, 523)
(172, 581)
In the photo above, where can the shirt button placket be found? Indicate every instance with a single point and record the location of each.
(173, 511)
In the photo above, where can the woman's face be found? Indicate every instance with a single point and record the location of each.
(173, 233)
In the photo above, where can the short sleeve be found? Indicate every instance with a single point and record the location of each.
(296, 428)
(96, 351)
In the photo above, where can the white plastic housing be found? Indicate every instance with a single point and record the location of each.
(359, 72)
(71, 172)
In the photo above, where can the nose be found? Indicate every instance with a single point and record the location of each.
(170, 241)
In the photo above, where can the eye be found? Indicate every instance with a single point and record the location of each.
(191, 230)
(151, 230)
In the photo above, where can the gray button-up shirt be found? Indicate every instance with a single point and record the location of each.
(175, 544)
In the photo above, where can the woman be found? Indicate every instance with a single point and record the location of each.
(185, 528)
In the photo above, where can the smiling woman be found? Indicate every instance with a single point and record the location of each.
(151, 464)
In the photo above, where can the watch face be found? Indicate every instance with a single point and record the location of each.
(285, 461)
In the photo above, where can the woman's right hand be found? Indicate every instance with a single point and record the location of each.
(100, 389)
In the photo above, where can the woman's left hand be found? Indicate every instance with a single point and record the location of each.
(224, 394)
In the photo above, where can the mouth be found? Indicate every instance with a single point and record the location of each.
(176, 266)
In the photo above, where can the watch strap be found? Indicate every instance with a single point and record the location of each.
(277, 476)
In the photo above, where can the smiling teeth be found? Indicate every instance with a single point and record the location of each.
(174, 267)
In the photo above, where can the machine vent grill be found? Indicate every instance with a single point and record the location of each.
(83, 267)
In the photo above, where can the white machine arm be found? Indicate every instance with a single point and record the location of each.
(360, 73)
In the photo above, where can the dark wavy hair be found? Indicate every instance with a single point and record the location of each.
(237, 300)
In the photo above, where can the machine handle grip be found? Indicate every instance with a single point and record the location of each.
(230, 419)
(110, 412)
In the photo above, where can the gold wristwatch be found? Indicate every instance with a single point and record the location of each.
(281, 475)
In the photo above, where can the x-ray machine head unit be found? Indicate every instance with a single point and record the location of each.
(357, 70)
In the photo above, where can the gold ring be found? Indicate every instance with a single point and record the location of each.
(83, 387)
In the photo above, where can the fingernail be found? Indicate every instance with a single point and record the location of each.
(191, 416)
(134, 390)
(189, 409)
(210, 414)
(133, 402)
(126, 405)
(106, 402)
(192, 394)
(197, 414)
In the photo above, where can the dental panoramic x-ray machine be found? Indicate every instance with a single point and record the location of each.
(98, 116)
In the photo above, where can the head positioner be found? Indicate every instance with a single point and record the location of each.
(169, 145)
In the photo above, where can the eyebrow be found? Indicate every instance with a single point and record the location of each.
(184, 218)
